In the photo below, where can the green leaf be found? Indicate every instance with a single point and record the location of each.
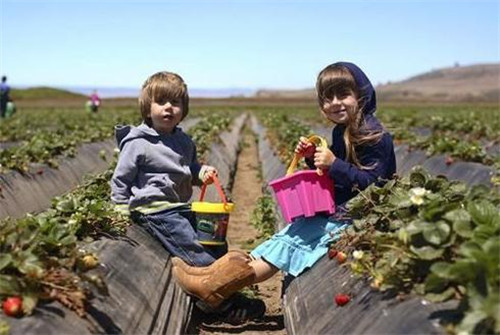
(440, 297)
(483, 212)
(67, 205)
(435, 284)
(29, 302)
(456, 192)
(31, 265)
(8, 285)
(471, 320)
(418, 177)
(400, 199)
(464, 270)
(5, 261)
(461, 221)
(427, 252)
(483, 232)
(478, 191)
(441, 269)
(492, 251)
(463, 228)
(416, 227)
(436, 233)
(469, 249)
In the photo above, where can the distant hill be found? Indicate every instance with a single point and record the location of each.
(473, 83)
(42, 93)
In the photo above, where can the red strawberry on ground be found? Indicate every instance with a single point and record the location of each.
(332, 253)
(449, 160)
(342, 299)
(341, 257)
(13, 306)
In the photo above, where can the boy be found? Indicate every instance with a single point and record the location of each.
(153, 179)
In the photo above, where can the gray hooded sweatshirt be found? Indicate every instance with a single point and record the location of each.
(154, 171)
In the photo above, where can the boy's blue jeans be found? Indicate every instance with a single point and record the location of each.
(176, 230)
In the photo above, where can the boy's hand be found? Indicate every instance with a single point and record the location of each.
(210, 172)
(323, 158)
(305, 148)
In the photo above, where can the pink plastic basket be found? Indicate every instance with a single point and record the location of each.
(304, 193)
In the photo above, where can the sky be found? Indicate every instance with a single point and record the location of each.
(260, 44)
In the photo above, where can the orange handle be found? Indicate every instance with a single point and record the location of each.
(219, 190)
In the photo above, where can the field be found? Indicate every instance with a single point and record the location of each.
(428, 233)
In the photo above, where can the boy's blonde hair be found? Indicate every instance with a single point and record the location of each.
(160, 85)
(338, 80)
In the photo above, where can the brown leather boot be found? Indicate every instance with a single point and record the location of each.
(223, 278)
(203, 270)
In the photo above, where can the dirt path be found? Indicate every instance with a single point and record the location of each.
(245, 192)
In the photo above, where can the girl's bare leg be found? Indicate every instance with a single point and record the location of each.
(263, 270)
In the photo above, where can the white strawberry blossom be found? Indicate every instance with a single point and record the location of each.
(358, 254)
(417, 195)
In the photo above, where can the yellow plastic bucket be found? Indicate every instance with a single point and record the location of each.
(212, 219)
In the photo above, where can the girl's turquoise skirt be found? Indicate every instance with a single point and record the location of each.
(301, 244)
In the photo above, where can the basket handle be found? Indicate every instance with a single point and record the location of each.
(315, 139)
(219, 189)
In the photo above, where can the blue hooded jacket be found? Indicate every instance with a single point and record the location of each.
(348, 176)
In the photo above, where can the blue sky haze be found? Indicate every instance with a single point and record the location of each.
(238, 44)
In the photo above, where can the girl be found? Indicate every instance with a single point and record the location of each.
(362, 153)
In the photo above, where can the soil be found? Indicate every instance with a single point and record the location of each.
(246, 190)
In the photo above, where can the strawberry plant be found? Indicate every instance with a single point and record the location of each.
(284, 133)
(263, 217)
(42, 256)
(427, 235)
(205, 132)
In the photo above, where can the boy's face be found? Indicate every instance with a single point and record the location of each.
(166, 114)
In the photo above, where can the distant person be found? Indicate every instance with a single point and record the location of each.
(4, 96)
(154, 177)
(94, 102)
(362, 154)
(11, 108)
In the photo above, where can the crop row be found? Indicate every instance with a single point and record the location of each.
(422, 235)
(465, 133)
(43, 257)
(459, 132)
(44, 134)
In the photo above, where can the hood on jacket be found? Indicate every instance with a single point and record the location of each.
(367, 92)
(124, 134)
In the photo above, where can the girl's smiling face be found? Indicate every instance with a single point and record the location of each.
(166, 114)
(338, 108)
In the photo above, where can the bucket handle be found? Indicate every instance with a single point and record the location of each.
(217, 186)
(315, 139)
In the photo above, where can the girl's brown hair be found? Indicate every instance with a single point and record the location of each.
(163, 85)
(337, 80)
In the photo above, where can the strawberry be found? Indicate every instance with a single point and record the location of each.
(332, 253)
(342, 299)
(13, 306)
(341, 257)
(39, 171)
(449, 160)
(89, 262)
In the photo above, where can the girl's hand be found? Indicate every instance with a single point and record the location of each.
(305, 148)
(210, 172)
(323, 158)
